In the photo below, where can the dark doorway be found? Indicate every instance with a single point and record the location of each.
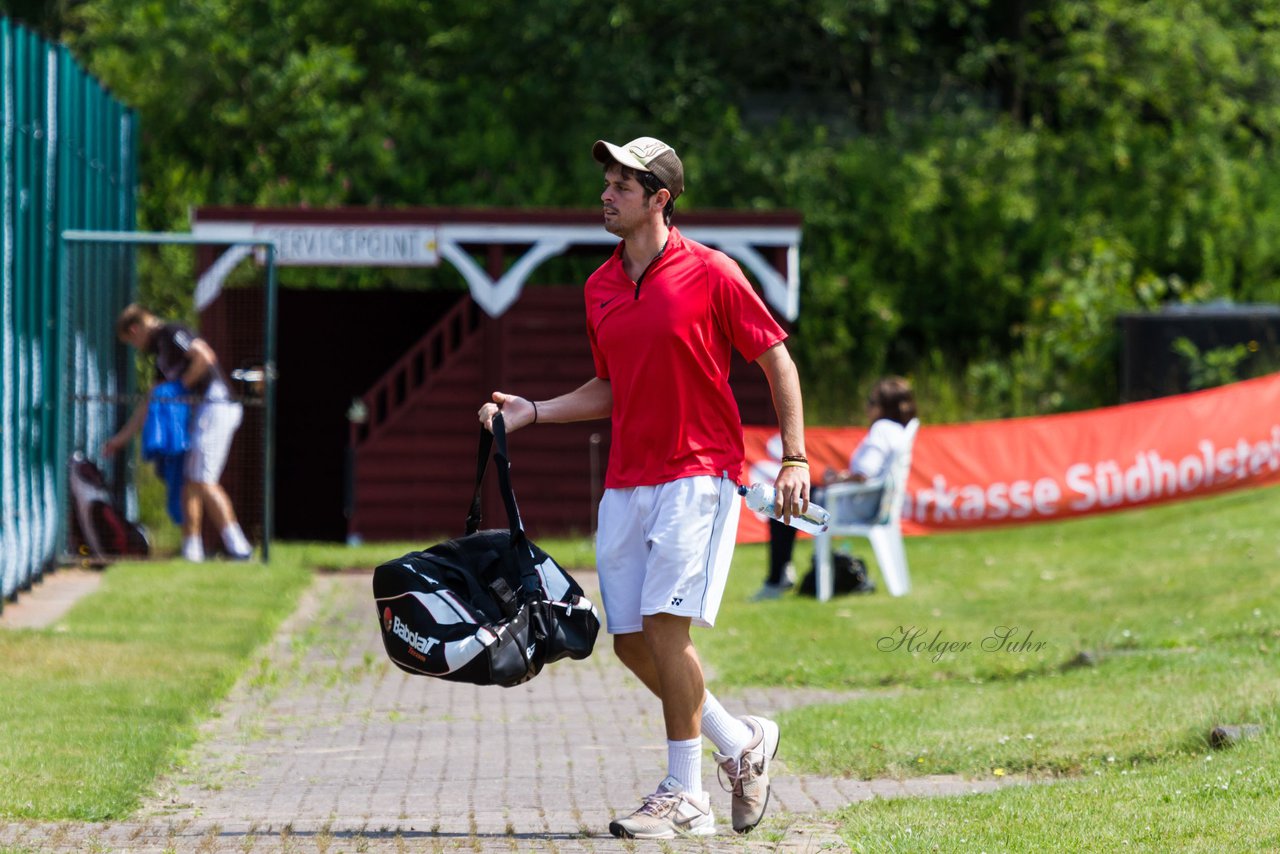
(333, 345)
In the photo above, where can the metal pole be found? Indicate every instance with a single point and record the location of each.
(594, 443)
(269, 419)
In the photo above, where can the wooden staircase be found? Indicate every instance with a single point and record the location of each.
(414, 455)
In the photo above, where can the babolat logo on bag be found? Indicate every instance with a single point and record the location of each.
(431, 631)
(415, 641)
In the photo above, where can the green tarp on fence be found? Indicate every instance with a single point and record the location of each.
(69, 155)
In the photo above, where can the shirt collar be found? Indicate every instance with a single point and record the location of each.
(674, 240)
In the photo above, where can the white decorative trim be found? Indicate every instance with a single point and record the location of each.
(210, 282)
(743, 243)
(496, 297)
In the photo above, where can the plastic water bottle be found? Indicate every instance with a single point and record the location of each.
(759, 498)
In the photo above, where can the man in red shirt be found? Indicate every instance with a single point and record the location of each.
(664, 314)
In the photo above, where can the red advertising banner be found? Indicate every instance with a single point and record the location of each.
(1059, 466)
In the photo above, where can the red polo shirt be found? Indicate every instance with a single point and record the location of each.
(664, 345)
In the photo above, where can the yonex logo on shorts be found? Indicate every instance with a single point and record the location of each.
(676, 600)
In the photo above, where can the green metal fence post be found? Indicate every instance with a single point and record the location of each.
(10, 565)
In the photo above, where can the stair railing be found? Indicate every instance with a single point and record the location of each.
(371, 412)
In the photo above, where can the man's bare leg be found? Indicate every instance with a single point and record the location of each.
(192, 521)
(679, 672)
(663, 658)
(221, 513)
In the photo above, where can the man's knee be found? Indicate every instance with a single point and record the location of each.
(630, 647)
(666, 632)
(666, 624)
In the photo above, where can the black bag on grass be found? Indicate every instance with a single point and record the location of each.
(101, 531)
(489, 608)
(848, 575)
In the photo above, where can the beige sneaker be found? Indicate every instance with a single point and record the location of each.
(666, 814)
(747, 776)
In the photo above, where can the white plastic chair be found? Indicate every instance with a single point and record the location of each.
(885, 533)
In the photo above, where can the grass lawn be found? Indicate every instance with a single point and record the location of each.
(96, 706)
(976, 673)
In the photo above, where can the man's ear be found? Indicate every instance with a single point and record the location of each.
(661, 197)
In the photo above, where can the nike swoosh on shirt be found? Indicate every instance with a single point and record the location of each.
(605, 302)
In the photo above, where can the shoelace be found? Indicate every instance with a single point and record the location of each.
(658, 804)
(736, 769)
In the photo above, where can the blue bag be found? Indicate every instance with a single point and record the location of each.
(166, 437)
(167, 430)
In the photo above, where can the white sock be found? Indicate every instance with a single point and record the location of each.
(193, 548)
(727, 733)
(234, 539)
(684, 762)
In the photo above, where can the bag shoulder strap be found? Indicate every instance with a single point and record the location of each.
(497, 443)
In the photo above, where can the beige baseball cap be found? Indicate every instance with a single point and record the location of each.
(645, 154)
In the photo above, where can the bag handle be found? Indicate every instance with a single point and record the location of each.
(497, 442)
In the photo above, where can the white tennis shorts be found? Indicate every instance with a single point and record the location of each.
(212, 428)
(666, 549)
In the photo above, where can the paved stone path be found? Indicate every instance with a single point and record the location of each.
(49, 598)
(325, 746)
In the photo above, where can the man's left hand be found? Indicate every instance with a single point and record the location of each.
(791, 493)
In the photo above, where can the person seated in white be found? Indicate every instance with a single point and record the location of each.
(890, 407)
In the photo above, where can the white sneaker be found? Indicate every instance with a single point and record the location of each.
(235, 543)
(666, 814)
(748, 774)
(193, 553)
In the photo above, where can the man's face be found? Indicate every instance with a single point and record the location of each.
(625, 206)
(135, 336)
(875, 411)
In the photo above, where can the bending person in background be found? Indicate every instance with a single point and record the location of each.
(890, 407)
(183, 356)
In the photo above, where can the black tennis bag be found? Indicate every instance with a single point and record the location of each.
(490, 608)
(100, 530)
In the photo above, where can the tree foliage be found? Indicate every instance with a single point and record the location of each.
(984, 184)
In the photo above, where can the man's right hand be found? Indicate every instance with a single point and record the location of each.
(517, 412)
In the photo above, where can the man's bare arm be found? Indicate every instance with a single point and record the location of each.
(591, 400)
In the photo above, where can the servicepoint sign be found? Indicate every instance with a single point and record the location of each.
(1058, 466)
(353, 245)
